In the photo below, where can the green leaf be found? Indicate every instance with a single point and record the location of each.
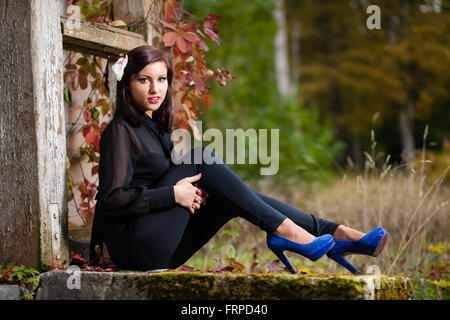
(92, 69)
(94, 112)
(82, 61)
(232, 249)
(67, 95)
(230, 233)
(441, 283)
(99, 62)
(234, 224)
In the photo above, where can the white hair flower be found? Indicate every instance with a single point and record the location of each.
(119, 67)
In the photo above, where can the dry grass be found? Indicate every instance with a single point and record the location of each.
(415, 215)
(410, 201)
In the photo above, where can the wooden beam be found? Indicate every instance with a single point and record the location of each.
(99, 40)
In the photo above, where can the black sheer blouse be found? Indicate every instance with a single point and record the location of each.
(132, 160)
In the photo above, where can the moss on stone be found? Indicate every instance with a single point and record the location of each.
(394, 288)
(229, 285)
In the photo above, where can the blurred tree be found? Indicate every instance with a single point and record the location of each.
(370, 78)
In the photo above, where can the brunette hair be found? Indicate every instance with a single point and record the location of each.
(138, 58)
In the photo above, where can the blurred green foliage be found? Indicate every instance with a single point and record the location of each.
(251, 100)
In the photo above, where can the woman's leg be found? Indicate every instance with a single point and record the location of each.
(207, 221)
(229, 189)
(201, 227)
(314, 225)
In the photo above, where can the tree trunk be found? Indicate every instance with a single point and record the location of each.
(406, 132)
(295, 52)
(405, 115)
(281, 50)
(407, 111)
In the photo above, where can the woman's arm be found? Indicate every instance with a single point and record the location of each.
(117, 161)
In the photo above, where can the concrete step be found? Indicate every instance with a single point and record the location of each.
(205, 286)
(73, 284)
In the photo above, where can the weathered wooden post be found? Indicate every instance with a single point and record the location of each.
(33, 217)
(142, 16)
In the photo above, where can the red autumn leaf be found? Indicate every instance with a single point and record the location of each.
(191, 37)
(76, 256)
(212, 35)
(212, 16)
(190, 27)
(169, 12)
(186, 268)
(209, 22)
(207, 101)
(85, 130)
(182, 44)
(97, 143)
(202, 45)
(90, 137)
(87, 115)
(168, 25)
(226, 269)
(236, 265)
(95, 126)
(94, 170)
(169, 38)
(91, 196)
(200, 85)
(82, 79)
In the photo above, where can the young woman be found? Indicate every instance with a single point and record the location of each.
(152, 213)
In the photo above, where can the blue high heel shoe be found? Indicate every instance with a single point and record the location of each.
(371, 244)
(312, 251)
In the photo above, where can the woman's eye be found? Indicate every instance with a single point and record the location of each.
(144, 80)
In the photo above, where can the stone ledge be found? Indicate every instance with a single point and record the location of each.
(219, 286)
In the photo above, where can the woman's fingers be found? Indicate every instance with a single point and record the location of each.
(201, 192)
(193, 178)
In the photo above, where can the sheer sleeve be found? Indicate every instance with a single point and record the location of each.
(117, 161)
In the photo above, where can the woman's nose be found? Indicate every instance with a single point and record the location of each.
(153, 87)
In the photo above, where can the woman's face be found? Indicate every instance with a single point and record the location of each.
(148, 88)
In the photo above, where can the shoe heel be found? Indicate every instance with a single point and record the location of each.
(341, 260)
(280, 254)
(380, 245)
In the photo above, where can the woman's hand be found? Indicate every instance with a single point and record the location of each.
(202, 193)
(189, 196)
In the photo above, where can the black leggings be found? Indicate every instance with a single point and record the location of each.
(168, 239)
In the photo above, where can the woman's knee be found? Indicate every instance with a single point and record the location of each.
(206, 156)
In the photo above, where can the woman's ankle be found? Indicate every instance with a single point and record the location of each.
(345, 233)
(289, 230)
